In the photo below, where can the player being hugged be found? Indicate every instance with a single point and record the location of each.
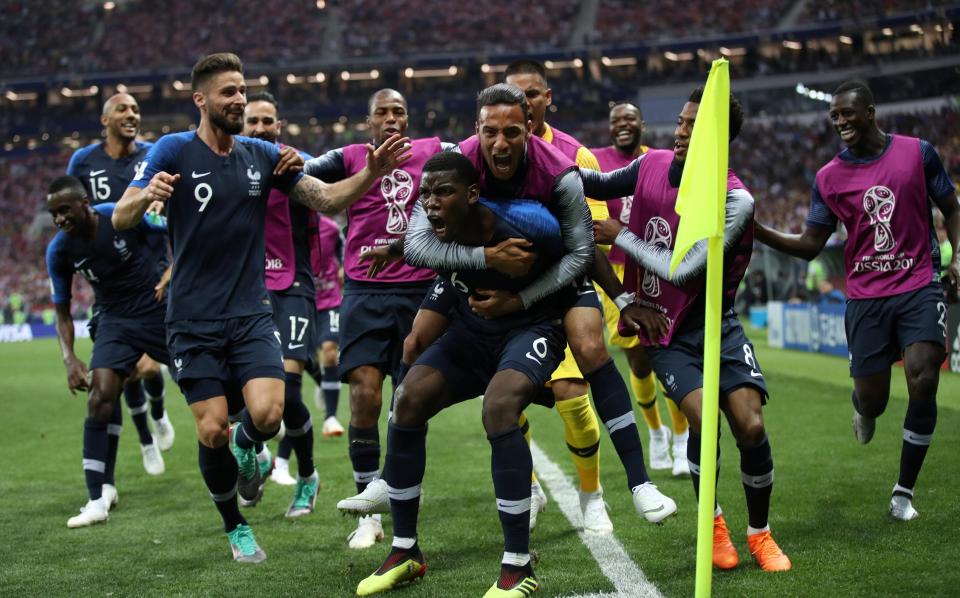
(880, 187)
(507, 360)
(121, 268)
(219, 320)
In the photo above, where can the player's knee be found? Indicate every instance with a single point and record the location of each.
(267, 417)
(147, 369)
(922, 381)
(501, 411)
(365, 404)
(412, 348)
(99, 405)
(589, 351)
(212, 432)
(328, 356)
(750, 432)
(872, 404)
(408, 407)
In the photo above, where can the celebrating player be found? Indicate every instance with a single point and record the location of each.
(626, 134)
(675, 342)
(220, 327)
(123, 272)
(507, 360)
(106, 169)
(880, 187)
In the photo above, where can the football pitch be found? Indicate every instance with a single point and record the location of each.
(165, 538)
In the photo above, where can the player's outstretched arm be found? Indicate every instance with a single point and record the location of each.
(615, 184)
(76, 369)
(656, 259)
(805, 245)
(129, 211)
(332, 198)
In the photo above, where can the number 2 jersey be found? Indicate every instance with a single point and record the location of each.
(215, 219)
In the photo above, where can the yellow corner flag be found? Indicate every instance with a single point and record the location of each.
(701, 204)
(700, 201)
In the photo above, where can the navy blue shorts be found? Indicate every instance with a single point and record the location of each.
(328, 326)
(878, 330)
(121, 341)
(679, 366)
(372, 329)
(218, 351)
(294, 316)
(441, 297)
(586, 295)
(468, 360)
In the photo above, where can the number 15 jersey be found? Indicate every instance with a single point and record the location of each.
(215, 220)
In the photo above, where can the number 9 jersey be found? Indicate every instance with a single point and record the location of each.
(215, 219)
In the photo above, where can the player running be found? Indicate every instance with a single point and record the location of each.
(289, 279)
(880, 187)
(675, 341)
(121, 268)
(106, 168)
(507, 360)
(626, 134)
(220, 328)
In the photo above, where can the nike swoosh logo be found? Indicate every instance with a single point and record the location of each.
(196, 175)
(657, 510)
(292, 346)
(80, 263)
(585, 292)
(96, 172)
(756, 374)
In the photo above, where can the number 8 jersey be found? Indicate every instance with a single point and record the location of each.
(215, 220)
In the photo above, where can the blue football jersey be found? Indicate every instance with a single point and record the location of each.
(119, 265)
(105, 178)
(514, 219)
(215, 219)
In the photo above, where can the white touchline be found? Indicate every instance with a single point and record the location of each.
(626, 577)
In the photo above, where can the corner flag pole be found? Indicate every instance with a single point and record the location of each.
(701, 205)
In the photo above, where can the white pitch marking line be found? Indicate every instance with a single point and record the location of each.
(626, 577)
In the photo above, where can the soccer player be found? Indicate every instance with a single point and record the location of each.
(515, 163)
(580, 427)
(675, 345)
(289, 279)
(507, 360)
(220, 327)
(121, 268)
(106, 168)
(880, 187)
(626, 135)
(376, 314)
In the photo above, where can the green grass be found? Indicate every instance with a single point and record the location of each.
(828, 512)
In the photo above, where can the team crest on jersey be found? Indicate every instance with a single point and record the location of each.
(658, 233)
(139, 169)
(254, 176)
(879, 203)
(121, 246)
(396, 189)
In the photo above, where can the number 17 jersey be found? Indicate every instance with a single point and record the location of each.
(215, 219)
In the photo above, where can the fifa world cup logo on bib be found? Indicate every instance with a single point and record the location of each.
(396, 188)
(658, 233)
(878, 203)
(625, 210)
